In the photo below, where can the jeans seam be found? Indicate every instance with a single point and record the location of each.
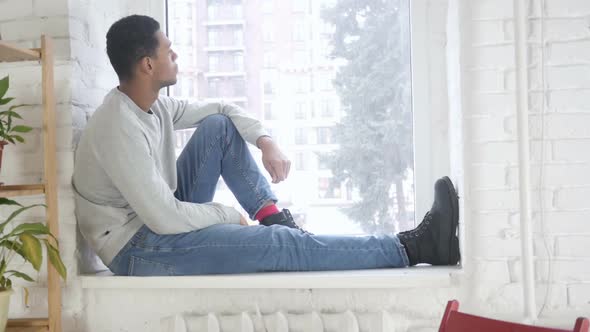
(204, 161)
(402, 253)
(168, 249)
(245, 177)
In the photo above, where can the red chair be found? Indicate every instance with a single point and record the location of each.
(455, 321)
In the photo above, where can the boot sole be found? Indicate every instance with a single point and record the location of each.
(453, 240)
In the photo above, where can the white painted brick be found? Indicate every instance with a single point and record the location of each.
(494, 152)
(573, 198)
(487, 80)
(492, 271)
(495, 56)
(490, 31)
(488, 176)
(487, 9)
(572, 52)
(567, 222)
(491, 104)
(491, 128)
(579, 295)
(573, 246)
(568, 77)
(568, 126)
(569, 100)
(563, 30)
(571, 150)
(557, 296)
(51, 8)
(567, 175)
(490, 223)
(567, 8)
(34, 28)
(15, 9)
(494, 200)
(564, 270)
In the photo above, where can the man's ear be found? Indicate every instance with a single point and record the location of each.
(145, 65)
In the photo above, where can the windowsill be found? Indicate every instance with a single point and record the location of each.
(379, 278)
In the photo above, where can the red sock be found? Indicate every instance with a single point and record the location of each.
(266, 211)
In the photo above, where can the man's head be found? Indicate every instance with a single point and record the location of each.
(139, 50)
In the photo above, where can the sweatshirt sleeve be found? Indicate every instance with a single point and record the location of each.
(124, 153)
(188, 115)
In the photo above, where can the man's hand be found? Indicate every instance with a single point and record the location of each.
(243, 221)
(275, 162)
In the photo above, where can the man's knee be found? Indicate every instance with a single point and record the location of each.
(216, 121)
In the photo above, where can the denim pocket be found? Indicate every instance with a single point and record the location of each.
(142, 267)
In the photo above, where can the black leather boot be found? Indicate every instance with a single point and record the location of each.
(283, 218)
(435, 239)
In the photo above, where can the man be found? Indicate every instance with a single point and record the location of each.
(146, 214)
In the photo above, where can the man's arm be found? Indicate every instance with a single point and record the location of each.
(187, 115)
(124, 154)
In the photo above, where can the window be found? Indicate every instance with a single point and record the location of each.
(301, 136)
(188, 37)
(214, 60)
(300, 58)
(214, 87)
(237, 11)
(268, 112)
(214, 36)
(268, 34)
(213, 10)
(288, 75)
(300, 161)
(326, 109)
(269, 59)
(301, 84)
(325, 81)
(328, 188)
(238, 62)
(324, 135)
(239, 87)
(300, 111)
(267, 6)
(299, 5)
(299, 31)
(322, 161)
(238, 37)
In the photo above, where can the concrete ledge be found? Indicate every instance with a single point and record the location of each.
(426, 276)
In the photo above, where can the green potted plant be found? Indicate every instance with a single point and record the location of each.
(25, 240)
(9, 133)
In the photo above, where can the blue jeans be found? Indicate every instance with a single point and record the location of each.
(217, 149)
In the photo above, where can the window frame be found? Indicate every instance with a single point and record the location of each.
(428, 167)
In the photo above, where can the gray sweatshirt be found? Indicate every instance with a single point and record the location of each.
(125, 171)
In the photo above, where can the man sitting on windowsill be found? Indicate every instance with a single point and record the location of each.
(147, 214)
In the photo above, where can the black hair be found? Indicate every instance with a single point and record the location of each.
(129, 40)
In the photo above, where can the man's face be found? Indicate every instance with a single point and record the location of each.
(164, 63)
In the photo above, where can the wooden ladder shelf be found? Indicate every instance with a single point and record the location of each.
(10, 53)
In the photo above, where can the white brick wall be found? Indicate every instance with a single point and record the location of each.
(491, 284)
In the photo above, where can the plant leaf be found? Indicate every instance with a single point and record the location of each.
(21, 129)
(4, 83)
(11, 113)
(18, 138)
(17, 106)
(6, 101)
(32, 250)
(20, 275)
(55, 259)
(36, 228)
(15, 213)
(13, 245)
(6, 201)
(8, 138)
